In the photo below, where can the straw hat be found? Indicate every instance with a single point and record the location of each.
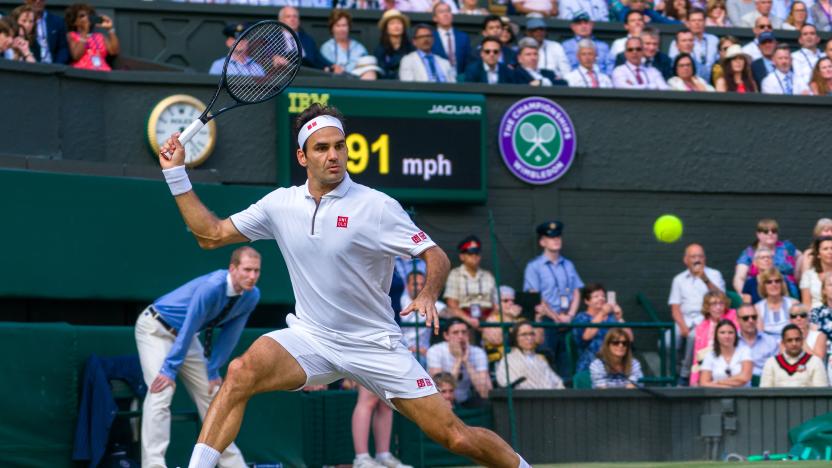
(735, 50)
(365, 64)
(390, 14)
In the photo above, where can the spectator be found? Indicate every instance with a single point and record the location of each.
(492, 337)
(763, 260)
(527, 369)
(50, 33)
(366, 68)
(240, 63)
(371, 411)
(717, 15)
(357, 5)
(685, 78)
(493, 26)
(650, 14)
(89, 50)
(805, 59)
(724, 43)
(508, 36)
(470, 289)
(422, 6)
(311, 55)
(775, 303)
(527, 71)
(632, 74)
(810, 282)
(764, 66)
(737, 9)
(761, 345)
(488, 68)
(687, 292)
(786, 256)
(422, 64)
(544, 7)
(828, 49)
(821, 83)
(598, 310)
(551, 55)
(684, 43)
(582, 27)
(762, 8)
(446, 386)
(394, 43)
(677, 9)
(737, 66)
(472, 7)
(633, 24)
(341, 50)
(821, 14)
(704, 48)
(814, 342)
(715, 307)
(794, 367)
(559, 285)
(595, 10)
(798, 17)
(781, 80)
(449, 43)
(821, 317)
(729, 365)
(615, 366)
(587, 74)
(25, 46)
(762, 25)
(653, 57)
(823, 228)
(416, 339)
(467, 363)
(6, 37)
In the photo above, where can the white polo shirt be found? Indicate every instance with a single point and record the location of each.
(339, 253)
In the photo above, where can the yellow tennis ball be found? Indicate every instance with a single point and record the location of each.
(667, 228)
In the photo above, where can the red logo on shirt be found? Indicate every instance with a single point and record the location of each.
(310, 126)
(422, 383)
(342, 221)
(419, 237)
(422, 235)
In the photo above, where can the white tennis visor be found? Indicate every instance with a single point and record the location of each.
(319, 122)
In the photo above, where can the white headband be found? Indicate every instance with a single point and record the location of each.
(319, 122)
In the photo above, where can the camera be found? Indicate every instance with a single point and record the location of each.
(95, 20)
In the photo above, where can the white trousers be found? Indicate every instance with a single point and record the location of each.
(154, 343)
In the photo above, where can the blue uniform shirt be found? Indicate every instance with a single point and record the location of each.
(552, 280)
(192, 306)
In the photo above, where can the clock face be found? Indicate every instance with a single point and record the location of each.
(174, 114)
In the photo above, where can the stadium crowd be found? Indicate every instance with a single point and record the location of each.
(777, 334)
(504, 53)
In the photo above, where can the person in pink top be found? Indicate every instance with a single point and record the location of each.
(715, 307)
(87, 49)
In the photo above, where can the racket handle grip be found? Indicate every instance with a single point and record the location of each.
(192, 130)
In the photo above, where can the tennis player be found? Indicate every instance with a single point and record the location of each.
(339, 240)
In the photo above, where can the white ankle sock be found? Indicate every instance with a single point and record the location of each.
(204, 457)
(523, 463)
(361, 456)
(383, 455)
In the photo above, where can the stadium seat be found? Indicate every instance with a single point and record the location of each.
(581, 380)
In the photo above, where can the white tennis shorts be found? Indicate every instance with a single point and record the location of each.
(384, 366)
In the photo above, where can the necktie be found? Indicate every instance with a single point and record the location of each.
(451, 52)
(789, 89)
(592, 78)
(209, 328)
(432, 66)
(638, 76)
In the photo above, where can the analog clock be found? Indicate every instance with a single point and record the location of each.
(174, 114)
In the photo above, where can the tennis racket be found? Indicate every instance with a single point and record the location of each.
(272, 55)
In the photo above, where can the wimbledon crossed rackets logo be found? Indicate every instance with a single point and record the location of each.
(537, 140)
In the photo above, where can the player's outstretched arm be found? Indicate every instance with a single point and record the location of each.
(437, 265)
(210, 231)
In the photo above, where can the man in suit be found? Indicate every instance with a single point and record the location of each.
(50, 33)
(761, 67)
(633, 74)
(449, 43)
(528, 72)
(488, 68)
(587, 74)
(422, 64)
(492, 26)
(652, 56)
(312, 57)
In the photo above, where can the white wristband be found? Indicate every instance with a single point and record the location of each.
(177, 180)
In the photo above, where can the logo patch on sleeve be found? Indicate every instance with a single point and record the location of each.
(419, 237)
(342, 222)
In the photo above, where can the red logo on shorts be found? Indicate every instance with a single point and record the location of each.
(422, 383)
(419, 237)
(342, 222)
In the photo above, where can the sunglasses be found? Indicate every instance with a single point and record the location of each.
(767, 231)
(774, 281)
(766, 26)
(802, 315)
(423, 36)
(491, 51)
(525, 335)
(748, 318)
(724, 49)
(634, 49)
(619, 343)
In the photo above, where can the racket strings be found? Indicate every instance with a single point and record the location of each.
(273, 59)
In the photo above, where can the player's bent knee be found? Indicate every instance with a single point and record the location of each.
(240, 378)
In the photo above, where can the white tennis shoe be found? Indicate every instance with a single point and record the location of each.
(391, 462)
(366, 462)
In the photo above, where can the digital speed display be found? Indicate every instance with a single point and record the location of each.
(413, 146)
